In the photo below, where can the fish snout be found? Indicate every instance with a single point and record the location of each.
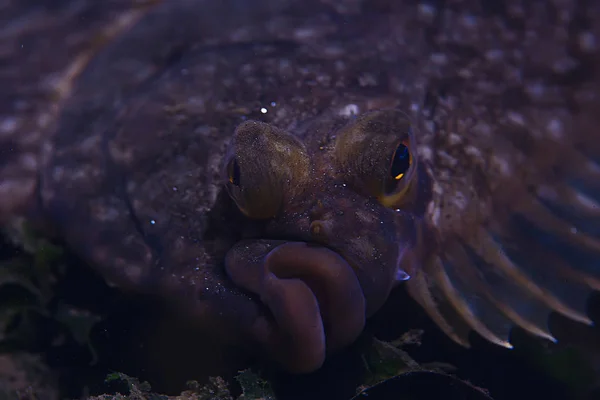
(373, 239)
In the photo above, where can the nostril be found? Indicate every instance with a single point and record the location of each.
(320, 231)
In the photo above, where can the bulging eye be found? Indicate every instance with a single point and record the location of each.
(263, 168)
(375, 154)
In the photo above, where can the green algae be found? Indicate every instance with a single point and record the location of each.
(253, 388)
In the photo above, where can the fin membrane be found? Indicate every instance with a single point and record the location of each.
(541, 256)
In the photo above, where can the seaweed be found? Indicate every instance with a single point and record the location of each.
(253, 388)
(29, 300)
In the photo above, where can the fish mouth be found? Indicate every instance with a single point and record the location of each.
(314, 299)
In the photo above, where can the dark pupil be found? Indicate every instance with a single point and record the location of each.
(234, 172)
(400, 162)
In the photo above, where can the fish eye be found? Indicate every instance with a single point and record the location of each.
(262, 167)
(233, 172)
(401, 162)
(400, 174)
(376, 154)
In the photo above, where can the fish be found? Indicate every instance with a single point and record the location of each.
(275, 183)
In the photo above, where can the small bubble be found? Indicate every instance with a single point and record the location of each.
(152, 221)
(263, 110)
(349, 110)
(174, 188)
(273, 104)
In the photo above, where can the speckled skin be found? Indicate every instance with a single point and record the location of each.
(124, 158)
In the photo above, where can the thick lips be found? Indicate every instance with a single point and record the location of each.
(313, 296)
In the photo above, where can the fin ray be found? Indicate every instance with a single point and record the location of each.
(473, 308)
(420, 289)
(508, 297)
(539, 215)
